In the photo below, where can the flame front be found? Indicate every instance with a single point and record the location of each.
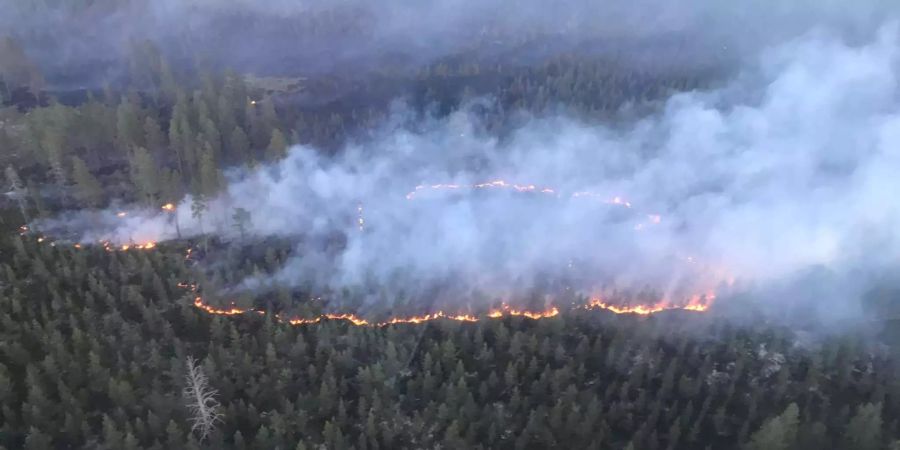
(233, 311)
(697, 304)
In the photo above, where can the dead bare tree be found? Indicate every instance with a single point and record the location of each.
(201, 400)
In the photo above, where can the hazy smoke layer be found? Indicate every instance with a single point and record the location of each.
(73, 42)
(793, 165)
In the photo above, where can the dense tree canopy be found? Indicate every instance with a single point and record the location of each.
(94, 343)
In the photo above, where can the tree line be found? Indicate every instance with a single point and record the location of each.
(94, 344)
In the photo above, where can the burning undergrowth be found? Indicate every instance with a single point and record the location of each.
(786, 169)
(226, 267)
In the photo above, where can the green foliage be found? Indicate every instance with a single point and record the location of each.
(241, 220)
(129, 124)
(145, 176)
(87, 189)
(277, 148)
(196, 125)
(91, 342)
(92, 346)
(864, 430)
(777, 433)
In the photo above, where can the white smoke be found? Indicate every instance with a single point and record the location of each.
(790, 166)
(287, 36)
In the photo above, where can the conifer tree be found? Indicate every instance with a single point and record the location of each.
(277, 148)
(777, 433)
(87, 189)
(864, 430)
(145, 175)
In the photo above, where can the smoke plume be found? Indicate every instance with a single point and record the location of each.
(789, 168)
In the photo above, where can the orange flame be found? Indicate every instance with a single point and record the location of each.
(696, 303)
(168, 207)
(359, 321)
(233, 311)
(505, 310)
(502, 184)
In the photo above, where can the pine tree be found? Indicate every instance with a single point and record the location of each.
(145, 176)
(777, 433)
(864, 430)
(241, 219)
(210, 174)
(87, 189)
(19, 190)
(198, 210)
(201, 400)
(277, 148)
(129, 130)
(153, 135)
(238, 145)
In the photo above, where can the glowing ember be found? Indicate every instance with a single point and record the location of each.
(189, 286)
(168, 207)
(501, 184)
(108, 246)
(496, 184)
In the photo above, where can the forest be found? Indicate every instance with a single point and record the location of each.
(110, 343)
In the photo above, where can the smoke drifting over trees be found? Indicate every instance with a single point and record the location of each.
(87, 43)
(625, 224)
(787, 168)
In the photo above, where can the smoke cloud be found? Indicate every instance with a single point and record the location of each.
(77, 45)
(791, 167)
